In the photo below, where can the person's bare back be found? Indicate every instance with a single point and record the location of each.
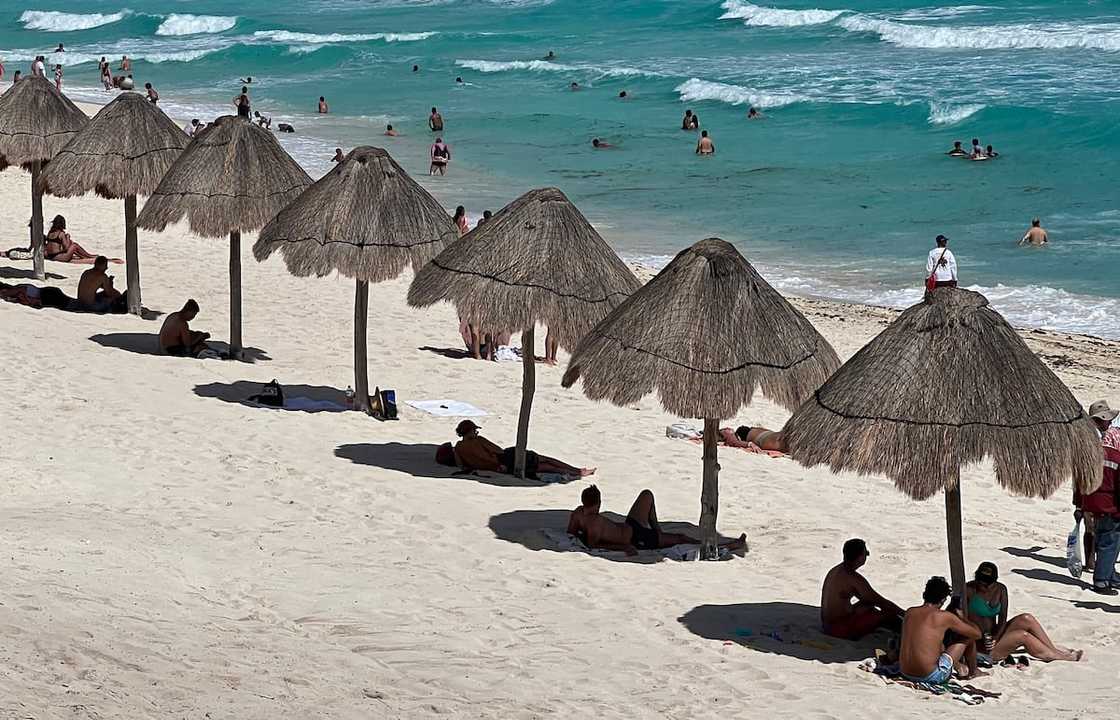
(923, 655)
(91, 282)
(839, 587)
(598, 531)
(175, 331)
(1035, 236)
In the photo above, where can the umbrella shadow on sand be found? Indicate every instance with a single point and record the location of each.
(418, 460)
(778, 628)
(547, 530)
(148, 344)
(240, 391)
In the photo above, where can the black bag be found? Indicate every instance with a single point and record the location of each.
(384, 404)
(271, 394)
(532, 462)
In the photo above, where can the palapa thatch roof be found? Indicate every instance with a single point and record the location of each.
(948, 383)
(124, 150)
(706, 333)
(233, 176)
(366, 219)
(537, 260)
(36, 121)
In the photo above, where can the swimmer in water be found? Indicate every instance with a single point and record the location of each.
(623, 95)
(415, 68)
(957, 150)
(458, 81)
(599, 144)
(247, 80)
(977, 151)
(550, 56)
(991, 152)
(574, 86)
(323, 107)
(390, 131)
(1036, 236)
(338, 156)
(705, 146)
(690, 121)
(753, 114)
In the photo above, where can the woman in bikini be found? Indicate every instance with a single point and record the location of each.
(460, 218)
(985, 603)
(764, 439)
(61, 248)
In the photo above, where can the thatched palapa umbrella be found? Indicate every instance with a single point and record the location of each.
(232, 178)
(538, 260)
(948, 383)
(366, 219)
(124, 151)
(706, 333)
(36, 121)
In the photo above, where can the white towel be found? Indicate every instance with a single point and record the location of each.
(447, 408)
(505, 353)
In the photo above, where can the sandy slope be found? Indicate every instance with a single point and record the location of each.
(169, 553)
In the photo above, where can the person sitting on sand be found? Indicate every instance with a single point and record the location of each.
(985, 603)
(176, 337)
(923, 656)
(60, 248)
(760, 437)
(843, 618)
(957, 150)
(641, 531)
(95, 288)
(440, 157)
(705, 146)
(474, 452)
(1036, 235)
(389, 131)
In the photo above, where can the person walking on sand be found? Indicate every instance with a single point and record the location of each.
(435, 121)
(1103, 505)
(941, 264)
(1036, 235)
(843, 618)
(705, 146)
(440, 157)
(153, 96)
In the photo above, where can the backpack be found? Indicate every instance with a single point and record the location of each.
(271, 394)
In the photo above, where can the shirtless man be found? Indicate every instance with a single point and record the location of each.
(957, 150)
(599, 144)
(705, 146)
(641, 530)
(389, 131)
(338, 156)
(176, 337)
(1036, 235)
(760, 437)
(126, 65)
(323, 107)
(95, 288)
(153, 95)
(842, 618)
(435, 121)
(923, 656)
(474, 452)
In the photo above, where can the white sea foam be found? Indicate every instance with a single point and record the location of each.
(286, 36)
(758, 15)
(177, 24)
(53, 21)
(938, 13)
(942, 113)
(1055, 36)
(696, 90)
(495, 66)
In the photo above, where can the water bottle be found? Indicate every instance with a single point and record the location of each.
(349, 396)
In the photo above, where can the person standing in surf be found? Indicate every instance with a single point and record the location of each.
(440, 156)
(435, 121)
(705, 146)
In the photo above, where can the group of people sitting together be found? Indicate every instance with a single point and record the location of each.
(935, 641)
(975, 153)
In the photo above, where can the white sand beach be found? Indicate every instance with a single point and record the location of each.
(172, 552)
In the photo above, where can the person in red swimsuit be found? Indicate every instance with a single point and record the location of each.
(850, 607)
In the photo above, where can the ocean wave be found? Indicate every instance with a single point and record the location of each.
(495, 66)
(696, 90)
(939, 13)
(942, 113)
(53, 21)
(286, 36)
(760, 16)
(1057, 36)
(177, 24)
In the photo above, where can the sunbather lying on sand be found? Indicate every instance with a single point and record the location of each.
(743, 437)
(641, 530)
(475, 452)
(23, 294)
(177, 338)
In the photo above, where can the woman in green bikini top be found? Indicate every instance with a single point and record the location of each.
(985, 603)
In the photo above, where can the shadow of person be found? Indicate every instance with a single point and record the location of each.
(11, 273)
(240, 391)
(548, 530)
(453, 353)
(1053, 577)
(419, 460)
(779, 628)
(1033, 554)
(148, 344)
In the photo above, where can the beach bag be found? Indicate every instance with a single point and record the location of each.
(931, 281)
(532, 462)
(271, 394)
(682, 431)
(445, 455)
(383, 404)
(1074, 563)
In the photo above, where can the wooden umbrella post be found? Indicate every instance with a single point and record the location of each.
(361, 372)
(131, 255)
(709, 493)
(953, 534)
(528, 387)
(37, 222)
(235, 295)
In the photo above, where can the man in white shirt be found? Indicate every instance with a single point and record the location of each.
(941, 264)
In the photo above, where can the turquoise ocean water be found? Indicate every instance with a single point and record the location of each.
(838, 192)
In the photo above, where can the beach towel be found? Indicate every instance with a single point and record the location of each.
(447, 408)
(305, 404)
(892, 674)
(564, 542)
(751, 448)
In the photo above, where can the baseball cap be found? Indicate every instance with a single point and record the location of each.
(465, 427)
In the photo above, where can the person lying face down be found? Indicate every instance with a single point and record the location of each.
(641, 531)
